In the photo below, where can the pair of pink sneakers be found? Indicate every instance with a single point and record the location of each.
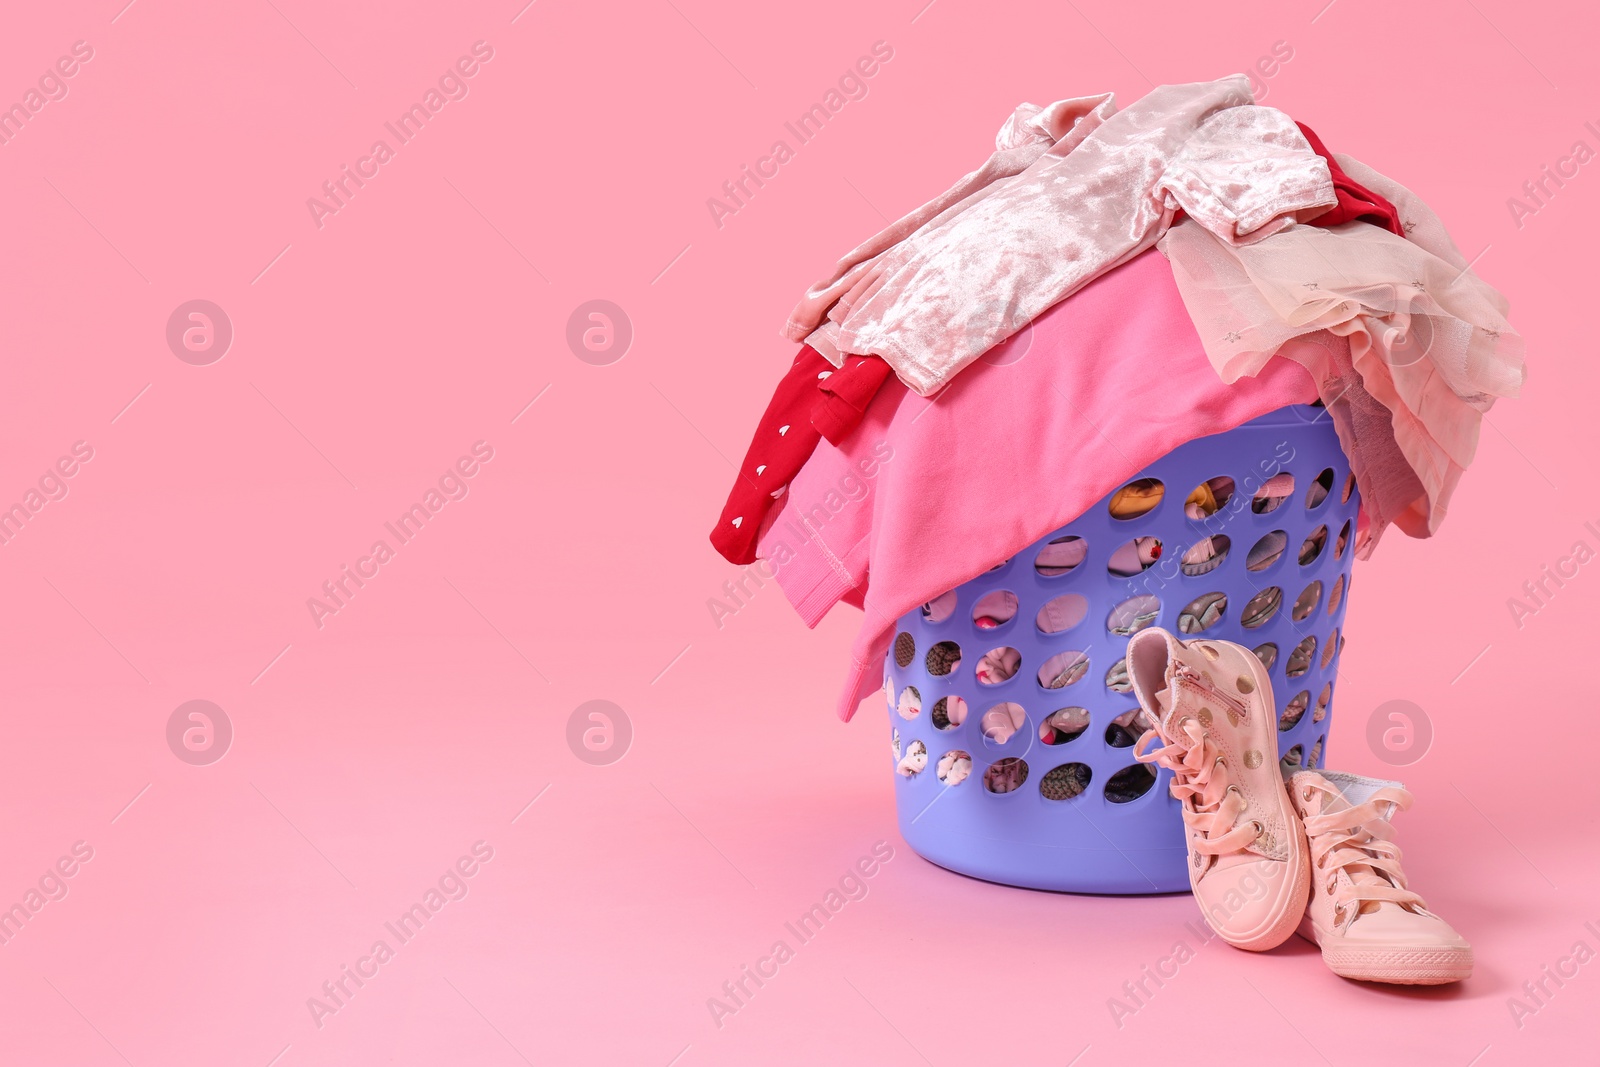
(1268, 856)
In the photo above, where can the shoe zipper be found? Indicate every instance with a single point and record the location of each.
(1185, 673)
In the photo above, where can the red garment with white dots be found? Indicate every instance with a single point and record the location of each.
(814, 400)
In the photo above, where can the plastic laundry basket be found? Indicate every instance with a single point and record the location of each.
(1080, 814)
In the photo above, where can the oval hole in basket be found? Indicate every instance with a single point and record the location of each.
(998, 665)
(1205, 555)
(1139, 497)
(1260, 609)
(910, 703)
(1065, 782)
(1124, 731)
(948, 713)
(1300, 659)
(1273, 492)
(1313, 545)
(1318, 490)
(1267, 551)
(1133, 615)
(1294, 710)
(994, 609)
(914, 761)
(940, 607)
(1135, 556)
(905, 649)
(1005, 775)
(1061, 613)
(954, 767)
(1209, 497)
(1117, 679)
(1002, 722)
(942, 658)
(1061, 556)
(1063, 725)
(1063, 669)
(1306, 602)
(1130, 783)
(1202, 613)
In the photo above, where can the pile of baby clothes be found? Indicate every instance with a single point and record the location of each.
(1149, 264)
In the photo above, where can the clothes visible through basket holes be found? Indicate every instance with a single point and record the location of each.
(1267, 654)
(1300, 659)
(1337, 595)
(1002, 721)
(954, 767)
(1202, 613)
(1315, 758)
(1062, 613)
(1063, 669)
(1344, 539)
(1125, 730)
(940, 607)
(909, 706)
(1063, 725)
(894, 743)
(1267, 551)
(1117, 679)
(1273, 492)
(1293, 758)
(998, 665)
(1205, 555)
(1129, 784)
(1306, 602)
(1061, 556)
(1319, 489)
(1312, 546)
(1133, 615)
(914, 761)
(948, 713)
(994, 609)
(1066, 781)
(943, 658)
(1294, 710)
(1134, 556)
(1005, 775)
(905, 649)
(1260, 609)
(1138, 497)
(1320, 712)
(1209, 497)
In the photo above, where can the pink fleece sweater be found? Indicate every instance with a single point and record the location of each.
(927, 494)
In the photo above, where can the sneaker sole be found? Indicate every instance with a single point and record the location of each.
(1438, 966)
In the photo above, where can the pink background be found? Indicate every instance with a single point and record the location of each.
(369, 754)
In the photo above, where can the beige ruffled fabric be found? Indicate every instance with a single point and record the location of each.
(1072, 191)
(1423, 349)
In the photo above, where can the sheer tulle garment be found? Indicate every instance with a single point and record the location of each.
(1407, 345)
(1072, 191)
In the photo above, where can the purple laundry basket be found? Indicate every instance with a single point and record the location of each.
(1080, 814)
